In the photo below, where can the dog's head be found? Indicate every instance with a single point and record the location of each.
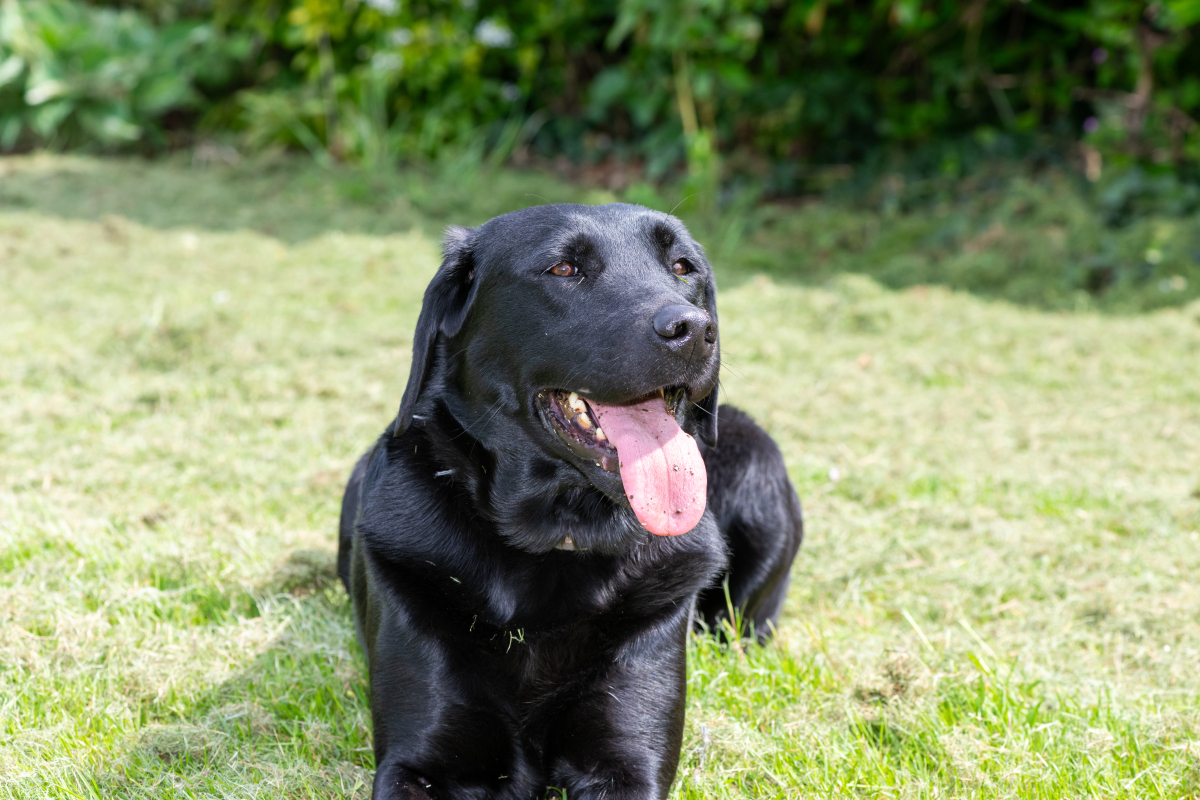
(568, 354)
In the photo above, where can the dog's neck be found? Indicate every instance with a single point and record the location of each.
(533, 501)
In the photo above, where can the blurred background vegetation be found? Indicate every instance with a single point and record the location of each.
(928, 111)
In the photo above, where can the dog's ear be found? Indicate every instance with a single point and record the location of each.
(706, 420)
(448, 298)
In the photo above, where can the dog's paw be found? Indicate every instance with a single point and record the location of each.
(402, 784)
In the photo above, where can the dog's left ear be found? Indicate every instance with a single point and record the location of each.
(706, 419)
(448, 298)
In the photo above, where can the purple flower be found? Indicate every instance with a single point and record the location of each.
(1099, 56)
(1091, 125)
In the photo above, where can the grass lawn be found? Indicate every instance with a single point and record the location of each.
(997, 596)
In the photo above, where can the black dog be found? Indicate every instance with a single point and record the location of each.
(524, 626)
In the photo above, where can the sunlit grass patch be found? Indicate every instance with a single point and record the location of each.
(766, 723)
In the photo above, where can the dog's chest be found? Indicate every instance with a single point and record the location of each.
(535, 595)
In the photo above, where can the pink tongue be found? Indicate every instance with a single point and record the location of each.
(661, 466)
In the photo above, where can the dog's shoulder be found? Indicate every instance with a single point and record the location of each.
(411, 508)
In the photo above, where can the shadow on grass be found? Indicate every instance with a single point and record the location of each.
(295, 717)
(287, 198)
(1036, 239)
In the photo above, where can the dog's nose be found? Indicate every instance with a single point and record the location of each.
(686, 328)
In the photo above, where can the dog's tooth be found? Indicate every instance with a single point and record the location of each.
(600, 434)
(584, 420)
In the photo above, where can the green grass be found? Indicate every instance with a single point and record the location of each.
(997, 596)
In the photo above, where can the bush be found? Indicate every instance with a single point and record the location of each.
(72, 75)
(823, 81)
(765, 85)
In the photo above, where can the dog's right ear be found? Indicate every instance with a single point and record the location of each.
(448, 298)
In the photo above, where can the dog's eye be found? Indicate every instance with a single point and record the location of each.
(564, 270)
(681, 267)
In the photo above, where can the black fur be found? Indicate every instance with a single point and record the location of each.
(500, 664)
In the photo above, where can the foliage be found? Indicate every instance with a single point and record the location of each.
(75, 75)
(729, 87)
(770, 85)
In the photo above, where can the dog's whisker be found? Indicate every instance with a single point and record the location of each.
(705, 410)
(570, 375)
(726, 364)
(479, 423)
(489, 414)
(684, 200)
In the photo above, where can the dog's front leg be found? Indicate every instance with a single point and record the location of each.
(434, 738)
(620, 740)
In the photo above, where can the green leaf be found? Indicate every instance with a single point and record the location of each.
(47, 118)
(10, 69)
(46, 90)
(10, 130)
(164, 92)
(1183, 13)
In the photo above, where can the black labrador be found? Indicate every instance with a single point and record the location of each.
(529, 543)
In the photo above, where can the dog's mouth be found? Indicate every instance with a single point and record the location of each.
(575, 422)
(641, 443)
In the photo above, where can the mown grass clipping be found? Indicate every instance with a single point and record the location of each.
(997, 596)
